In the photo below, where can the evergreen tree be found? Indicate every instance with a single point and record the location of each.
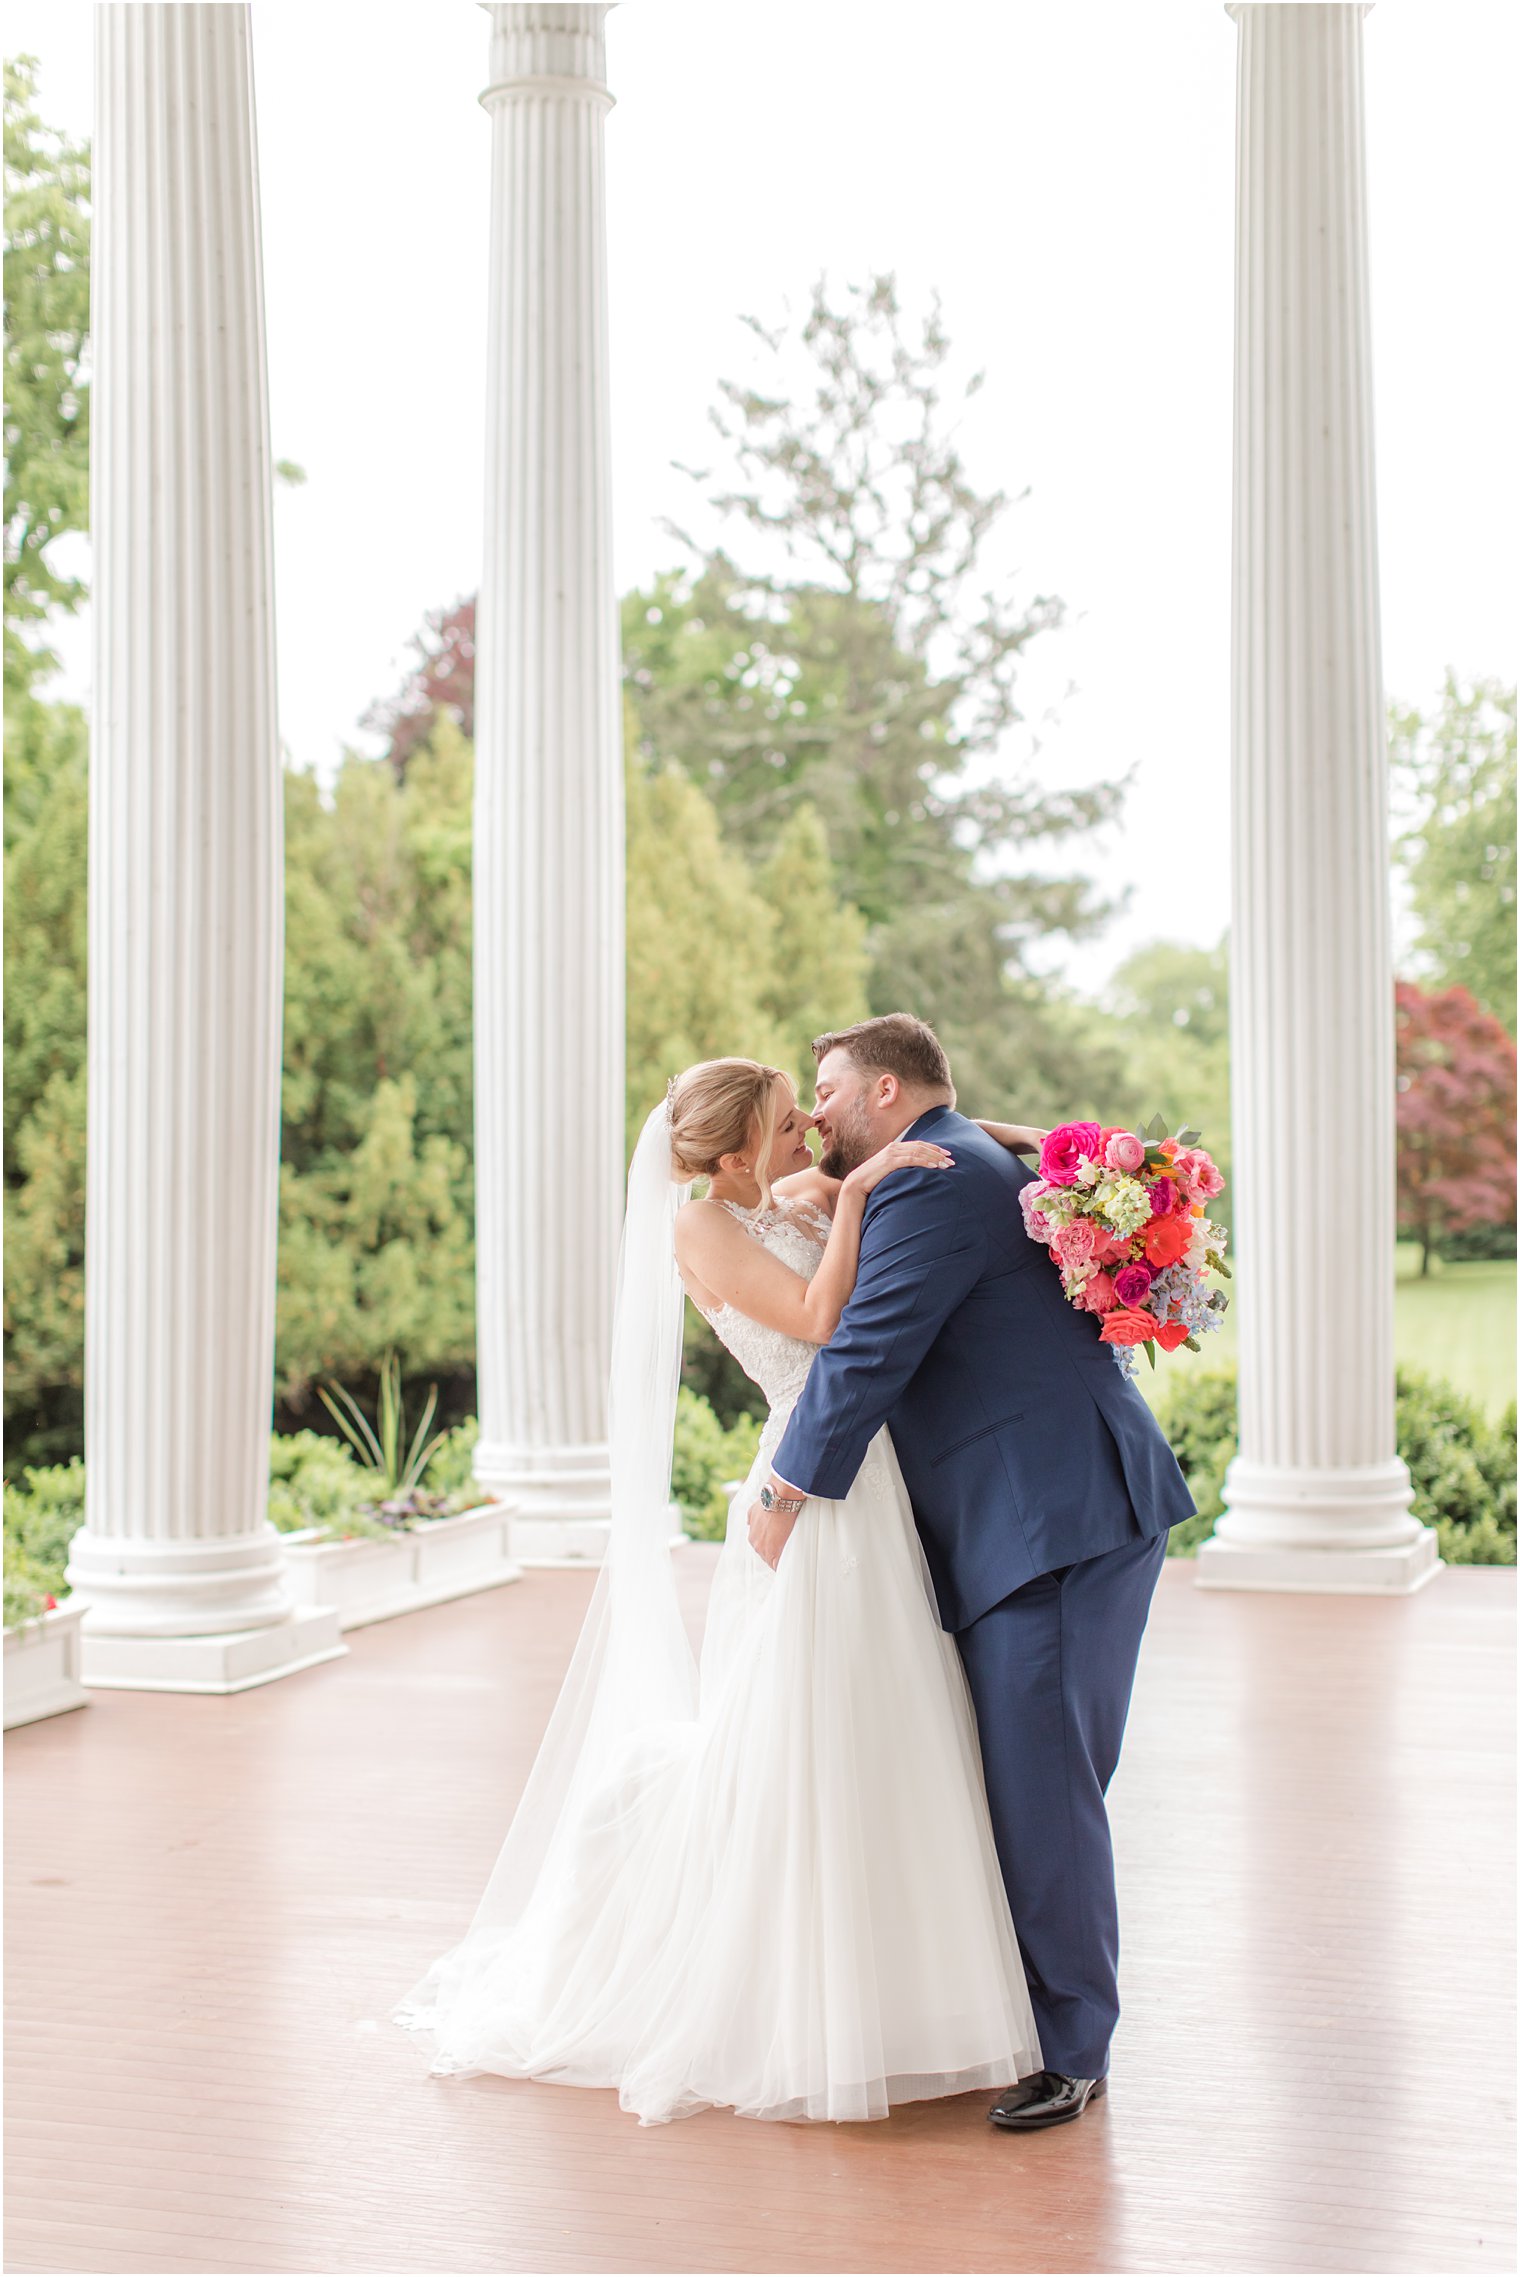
(46, 936)
(851, 661)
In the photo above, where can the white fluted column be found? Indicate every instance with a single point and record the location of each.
(1317, 1496)
(180, 1564)
(548, 875)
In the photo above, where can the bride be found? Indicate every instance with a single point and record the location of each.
(769, 1884)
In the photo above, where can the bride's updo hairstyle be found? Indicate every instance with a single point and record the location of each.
(724, 1106)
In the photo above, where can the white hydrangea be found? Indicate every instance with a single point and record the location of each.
(1124, 1202)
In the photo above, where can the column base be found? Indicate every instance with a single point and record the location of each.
(540, 1540)
(561, 1500)
(233, 1661)
(1390, 1570)
(156, 1586)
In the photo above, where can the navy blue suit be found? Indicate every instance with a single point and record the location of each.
(1043, 1491)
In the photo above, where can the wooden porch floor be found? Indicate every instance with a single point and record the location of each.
(212, 1903)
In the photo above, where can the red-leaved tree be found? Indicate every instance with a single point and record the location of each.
(443, 679)
(1456, 1116)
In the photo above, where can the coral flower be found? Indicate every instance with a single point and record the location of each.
(1165, 1241)
(1130, 1325)
(1096, 1295)
(1170, 1334)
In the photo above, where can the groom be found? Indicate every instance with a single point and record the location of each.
(1043, 1491)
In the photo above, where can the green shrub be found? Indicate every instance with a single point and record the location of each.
(313, 1481)
(708, 1459)
(1198, 1417)
(1462, 1465)
(43, 1512)
(24, 1600)
(448, 1471)
(1463, 1469)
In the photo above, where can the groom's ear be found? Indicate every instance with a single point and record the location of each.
(888, 1089)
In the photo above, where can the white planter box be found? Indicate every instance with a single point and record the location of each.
(424, 1565)
(42, 1665)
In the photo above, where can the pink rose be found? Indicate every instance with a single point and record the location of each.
(1036, 1223)
(1124, 1152)
(1061, 1155)
(1199, 1174)
(1132, 1285)
(1165, 1196)
(1098, 1295)
(1075, 1244)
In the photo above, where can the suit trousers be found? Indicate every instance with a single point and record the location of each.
(1051, 1668)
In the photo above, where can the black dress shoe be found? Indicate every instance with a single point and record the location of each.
(1044, 2100)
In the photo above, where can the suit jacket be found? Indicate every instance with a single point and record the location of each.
(1022, 1445)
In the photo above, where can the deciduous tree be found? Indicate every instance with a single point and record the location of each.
(440, 685)
(854, 659)
(1456, 1116)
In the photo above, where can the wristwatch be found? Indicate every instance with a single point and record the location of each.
(770, 1500)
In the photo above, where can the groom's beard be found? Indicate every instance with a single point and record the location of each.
(851, 1142)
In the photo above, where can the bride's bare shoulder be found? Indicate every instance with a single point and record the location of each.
(808, 1186)
(700, 1222)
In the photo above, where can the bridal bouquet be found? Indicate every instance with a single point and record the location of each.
(1123, 1215)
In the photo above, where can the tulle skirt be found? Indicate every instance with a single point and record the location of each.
(790, 1904)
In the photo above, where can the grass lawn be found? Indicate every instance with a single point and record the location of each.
(1459, 1323)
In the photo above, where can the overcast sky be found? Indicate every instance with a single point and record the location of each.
(1062, 171)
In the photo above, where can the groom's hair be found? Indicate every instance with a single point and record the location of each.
(896, 1044)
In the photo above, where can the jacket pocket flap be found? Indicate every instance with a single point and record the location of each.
(956, 1445)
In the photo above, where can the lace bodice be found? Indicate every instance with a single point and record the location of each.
(797, 1233)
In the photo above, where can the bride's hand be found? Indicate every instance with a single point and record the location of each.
(901, 1154)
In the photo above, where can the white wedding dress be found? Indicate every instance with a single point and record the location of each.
(788, 1903)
